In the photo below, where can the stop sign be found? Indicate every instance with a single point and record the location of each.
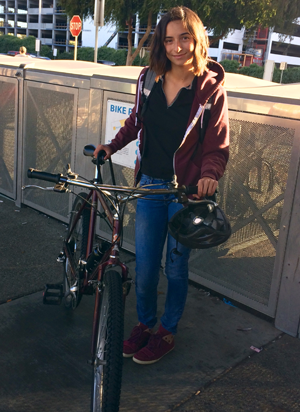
(75, 26)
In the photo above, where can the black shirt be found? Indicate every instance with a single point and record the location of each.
(164, 130)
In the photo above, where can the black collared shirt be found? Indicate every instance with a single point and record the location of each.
(165, 127)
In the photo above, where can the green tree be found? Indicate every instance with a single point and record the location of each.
(220, 17)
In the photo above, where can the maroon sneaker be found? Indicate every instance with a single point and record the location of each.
(139, 338)
(161, 343)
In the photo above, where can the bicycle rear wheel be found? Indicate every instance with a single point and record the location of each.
(107, 367)
(77, 245)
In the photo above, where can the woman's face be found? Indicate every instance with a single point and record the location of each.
(179, 44)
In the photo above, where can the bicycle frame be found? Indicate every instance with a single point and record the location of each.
(110, 258)
(85, 275)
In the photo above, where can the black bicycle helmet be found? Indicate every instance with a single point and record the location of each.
(200, 225)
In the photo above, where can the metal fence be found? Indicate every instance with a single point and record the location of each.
(252, 195)
(61, 112)
(49, 130)
(8, 135)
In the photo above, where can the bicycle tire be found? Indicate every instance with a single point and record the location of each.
(107, 377)
(78, 244)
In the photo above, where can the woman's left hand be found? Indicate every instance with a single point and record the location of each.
(206, 187)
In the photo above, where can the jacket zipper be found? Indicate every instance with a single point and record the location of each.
(187, 132)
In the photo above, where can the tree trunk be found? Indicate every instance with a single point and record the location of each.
(131, 57)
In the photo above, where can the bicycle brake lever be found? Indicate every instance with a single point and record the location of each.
(71, 174)
(60, 188)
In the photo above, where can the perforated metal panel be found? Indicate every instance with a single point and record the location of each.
(252, 195)
(123, 176)
(8, 122)
(50, 126)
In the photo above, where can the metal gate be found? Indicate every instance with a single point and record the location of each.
(8, 135)
(63, 111)
(252, 195)
(49, 129)
(124, 176)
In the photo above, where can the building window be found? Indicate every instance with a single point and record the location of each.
(123, 42)
(213, 44)
(286, 49)
(230, 46)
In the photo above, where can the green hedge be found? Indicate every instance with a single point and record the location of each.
(13, 43)
(7, 43)
(230, 66)
(104, 53)
(253, 70)
(291, 75)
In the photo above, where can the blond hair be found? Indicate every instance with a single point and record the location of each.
(23, 50)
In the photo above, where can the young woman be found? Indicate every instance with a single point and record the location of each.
(169, 149)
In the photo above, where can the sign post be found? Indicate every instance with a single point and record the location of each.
(142, 52)
(98, 21)
(283, 66)
(75, 29)
(37, 46)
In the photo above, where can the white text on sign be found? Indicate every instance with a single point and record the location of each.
(75, 25)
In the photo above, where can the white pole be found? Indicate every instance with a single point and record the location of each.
(101, 16)
(39, 24)
(96, 45)
(96, 24)
(75, 51)
(98, 21)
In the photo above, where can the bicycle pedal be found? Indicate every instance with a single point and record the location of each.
(61, 257)
(53, 294)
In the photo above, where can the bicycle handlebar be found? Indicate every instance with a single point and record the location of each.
(191, 190)
(49, 177)
(89, 149)
(59, 178)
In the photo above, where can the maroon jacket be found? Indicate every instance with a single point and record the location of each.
(192, 160)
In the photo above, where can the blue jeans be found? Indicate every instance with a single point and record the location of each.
(151, 229)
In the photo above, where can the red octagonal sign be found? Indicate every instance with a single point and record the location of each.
(75, 26)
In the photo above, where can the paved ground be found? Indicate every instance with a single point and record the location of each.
(44, 349)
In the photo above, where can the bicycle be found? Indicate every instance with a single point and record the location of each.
(90, 269)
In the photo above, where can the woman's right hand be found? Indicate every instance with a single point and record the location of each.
(104, 147)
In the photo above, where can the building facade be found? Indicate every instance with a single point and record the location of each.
(256, 47)
(43, 19)
(259, 46)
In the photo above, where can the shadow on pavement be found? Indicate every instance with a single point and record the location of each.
(44, 349)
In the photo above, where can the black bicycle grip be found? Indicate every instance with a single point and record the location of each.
(100, 158)
(49, 177)
(191, 190)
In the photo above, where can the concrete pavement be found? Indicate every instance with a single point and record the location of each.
(44, 349)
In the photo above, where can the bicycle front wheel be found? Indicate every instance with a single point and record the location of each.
(77, 245)
(107, 367)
